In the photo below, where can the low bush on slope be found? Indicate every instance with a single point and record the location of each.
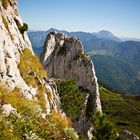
(71, 98)
(73, 103)
(103, 128)
(28, 123)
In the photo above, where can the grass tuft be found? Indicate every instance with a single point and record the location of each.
(30, 67)
(30, 63)
(29, 124)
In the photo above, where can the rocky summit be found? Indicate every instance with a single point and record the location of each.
(64, 58)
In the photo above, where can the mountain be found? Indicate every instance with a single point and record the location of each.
(121, 66)
(88, 39)
(106, 35)
(37, 40)
(111, 58)
(64, 58)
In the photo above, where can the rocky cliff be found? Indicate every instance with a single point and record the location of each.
(13, 43)
(64, 58)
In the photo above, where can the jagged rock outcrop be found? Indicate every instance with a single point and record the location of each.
(12, 44)
(64, 58)
(52, 102)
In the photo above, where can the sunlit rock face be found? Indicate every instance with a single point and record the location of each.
(64, 58)
(12, 43)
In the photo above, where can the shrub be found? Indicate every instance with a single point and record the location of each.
(62, 51)
(41, 96)
(71, 134)
(28, 124)
(71, 98)
(103, 129)
(23, 28)
(5, 3)
(60, 121)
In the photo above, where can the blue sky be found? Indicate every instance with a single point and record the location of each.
(122, 17)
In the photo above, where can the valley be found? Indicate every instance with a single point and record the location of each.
(116, 62)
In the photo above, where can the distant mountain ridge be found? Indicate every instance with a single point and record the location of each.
(116, 63)
(99, 35)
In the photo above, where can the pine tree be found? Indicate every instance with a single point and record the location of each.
(103, 129)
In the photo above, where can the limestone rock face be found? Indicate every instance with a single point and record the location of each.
(64, 57)
(12, 43)
(6, 109)
(52, 99)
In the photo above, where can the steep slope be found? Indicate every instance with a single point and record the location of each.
(12, 43)
(64, 58)
(30, 106)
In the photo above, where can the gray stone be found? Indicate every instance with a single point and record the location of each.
(7, 109)
(64, 58)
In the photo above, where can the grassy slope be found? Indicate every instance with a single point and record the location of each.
(29, 124)
(122, 110)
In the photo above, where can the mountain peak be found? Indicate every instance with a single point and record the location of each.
(107, 35)
(64, 58)
(105, 32)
